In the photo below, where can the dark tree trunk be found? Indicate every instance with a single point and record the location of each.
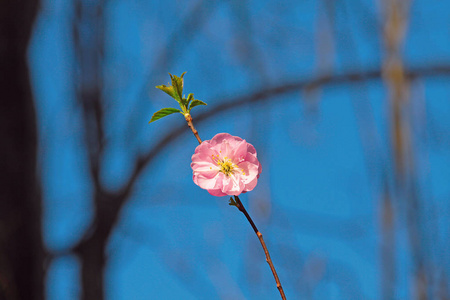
(92, 255)
(21, 249)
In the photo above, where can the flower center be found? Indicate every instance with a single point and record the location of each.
(226, 166)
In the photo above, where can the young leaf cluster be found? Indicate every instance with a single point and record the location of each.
(175, 90)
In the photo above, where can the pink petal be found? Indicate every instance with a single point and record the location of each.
(217, 189)
(251, 149)
(250, 170)
(217, 193)
(204, 182)
(250, 185)
(218, 139)
(251, 158)
(240, 151)
(203, 153)
(232, 186)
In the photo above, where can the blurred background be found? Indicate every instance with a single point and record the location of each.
(346, 102)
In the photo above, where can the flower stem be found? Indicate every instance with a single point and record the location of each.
(191, 125)
(241, 207)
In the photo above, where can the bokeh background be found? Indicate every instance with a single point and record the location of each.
(346, 102)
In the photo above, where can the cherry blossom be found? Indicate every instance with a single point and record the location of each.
(225, 165)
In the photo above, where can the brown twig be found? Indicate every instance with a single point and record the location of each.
(191, 125)
(241, 207)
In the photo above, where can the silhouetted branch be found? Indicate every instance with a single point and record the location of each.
(88, 38)
(264, 95)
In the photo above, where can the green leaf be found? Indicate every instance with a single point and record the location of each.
(176, 89)
(164, 112)
(177, 83)
(189, 99)
(196, 103)
(168, 89)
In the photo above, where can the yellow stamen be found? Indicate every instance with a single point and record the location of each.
(227, 166)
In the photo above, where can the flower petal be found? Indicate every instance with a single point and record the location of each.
(232, 186)
(250, 171)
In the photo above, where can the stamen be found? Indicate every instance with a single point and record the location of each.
(226, 166)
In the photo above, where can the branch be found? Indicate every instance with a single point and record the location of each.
(241, 207)
(264, 95)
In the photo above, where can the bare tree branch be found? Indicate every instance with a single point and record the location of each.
(265, 95)
(88, 29)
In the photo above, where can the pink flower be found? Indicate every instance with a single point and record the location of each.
(225, 165)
